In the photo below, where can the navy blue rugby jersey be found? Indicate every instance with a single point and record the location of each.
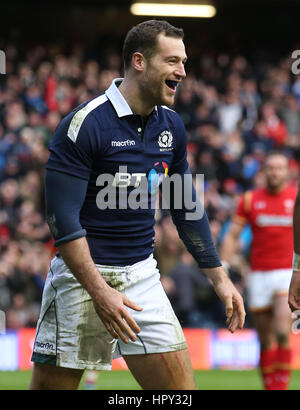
(99, 137)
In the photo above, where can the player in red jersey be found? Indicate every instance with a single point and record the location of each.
(269, 211)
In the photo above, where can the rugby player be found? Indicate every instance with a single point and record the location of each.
(269, 212)
(103, 297)
(294, 289)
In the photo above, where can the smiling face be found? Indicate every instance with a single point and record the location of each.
(163, 71)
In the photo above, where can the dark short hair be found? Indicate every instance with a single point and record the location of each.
(275, 153)
(142, 38)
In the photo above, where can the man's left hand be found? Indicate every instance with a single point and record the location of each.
(227, 292)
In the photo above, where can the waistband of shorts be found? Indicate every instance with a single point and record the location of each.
(271, 271)
(118, 270)
(137, 265)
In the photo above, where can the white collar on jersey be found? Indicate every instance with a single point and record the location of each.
(118, 101)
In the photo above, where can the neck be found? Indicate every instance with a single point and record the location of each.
(132, 93)
(276, 189)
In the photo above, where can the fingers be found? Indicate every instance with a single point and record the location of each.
(125, 326)
(127, 302)
(235, 313)
(114, 315)
(294, 291)
(229, 308)
(234, 322)
(121, 324)
(131, 322)
(123, 331)
(294, 303)
(118, 328)
(111, 330)
(241, 313)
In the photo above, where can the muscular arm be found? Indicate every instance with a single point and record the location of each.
(224, 288)
(64, 198)
(194, 232)
(196, 235)
(77, 257)
(230, 242)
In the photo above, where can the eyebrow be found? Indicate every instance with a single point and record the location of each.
(177, 58)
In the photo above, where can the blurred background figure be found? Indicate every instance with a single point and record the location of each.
(269, 211)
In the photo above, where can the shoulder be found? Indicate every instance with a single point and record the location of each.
(258, 193)
(175, 125)
(291, 190)
(81, 127)
(248, 198)
(243, 208)
(84, 116)
(246, 201)
(170, 115)
(165, 107)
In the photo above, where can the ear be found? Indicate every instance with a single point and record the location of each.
(138, 61)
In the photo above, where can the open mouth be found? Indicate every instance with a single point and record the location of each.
(172, 84)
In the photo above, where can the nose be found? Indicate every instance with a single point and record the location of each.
(180, 70)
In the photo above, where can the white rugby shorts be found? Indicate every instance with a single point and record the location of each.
(70, 334)
(264, 285)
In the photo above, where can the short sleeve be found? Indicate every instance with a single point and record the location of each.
(242, 214)
(72, 153)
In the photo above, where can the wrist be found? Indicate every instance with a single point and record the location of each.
(98, 287)
(225, 265)
(217, 275)
(296, 261)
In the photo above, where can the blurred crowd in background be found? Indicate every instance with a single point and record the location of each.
(235, 110)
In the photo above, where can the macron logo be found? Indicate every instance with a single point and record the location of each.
(126, 143)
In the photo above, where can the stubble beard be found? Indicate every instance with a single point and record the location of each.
(275, 186)
(152, 90)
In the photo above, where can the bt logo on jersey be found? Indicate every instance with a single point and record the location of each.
(124, 179)
(176, 190)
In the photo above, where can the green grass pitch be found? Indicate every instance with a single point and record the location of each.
(123, 380)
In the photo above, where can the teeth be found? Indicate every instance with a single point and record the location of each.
(171, 84)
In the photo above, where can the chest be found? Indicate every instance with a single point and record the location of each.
(272, 212)
(136, 150)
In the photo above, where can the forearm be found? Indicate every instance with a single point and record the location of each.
(216, 275)
(296, 223)
(193, 226)
(230, 296)
(77, 257)
(197, 239)
(228, 248)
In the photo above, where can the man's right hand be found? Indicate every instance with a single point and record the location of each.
(110, 306)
